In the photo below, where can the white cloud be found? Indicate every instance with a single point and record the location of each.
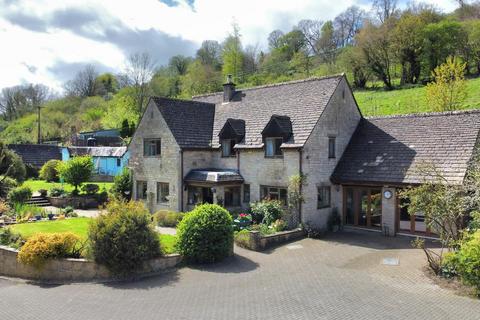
(32, 46)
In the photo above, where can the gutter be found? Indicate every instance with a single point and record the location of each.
(300, 170)
(181, 180)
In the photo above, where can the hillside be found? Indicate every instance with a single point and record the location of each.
(412, 100)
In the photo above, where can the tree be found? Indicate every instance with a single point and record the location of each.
(138, 72)
(472, 28)
(347, 24)
(126, 129)
(274, 39)
(84, 83)
(232, 54)
(210, 53)
(179, 64)
(19, 100)
(384, 9)
(353, 58)
(312, 32)
(106, 83)
(200, 79)
(449, 90)
(376, 45)
(327, 46)
(11, 165)
(76, 171)
(122, 185)
(121, 107)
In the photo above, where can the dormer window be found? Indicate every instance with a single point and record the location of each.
(272, 147)
(227, 147)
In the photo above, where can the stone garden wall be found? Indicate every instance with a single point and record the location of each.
(74, 270)
(257, 242)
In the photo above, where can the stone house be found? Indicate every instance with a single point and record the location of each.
(242, 145)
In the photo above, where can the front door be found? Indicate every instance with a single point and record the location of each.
(363, 207)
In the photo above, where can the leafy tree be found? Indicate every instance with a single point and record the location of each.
(179, 64)
(327, 45)
(11, 167)
(166, 83)
(106, 83)
(121, 107)
(449, 90)
(232, 54)
(274, 39)
(210, 53)
(353, 58)
(76, 171)
(200, 79)
(472, 28)
(122, 185)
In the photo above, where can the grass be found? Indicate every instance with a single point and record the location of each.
(36, 185)
(379, 102)
(79, 226)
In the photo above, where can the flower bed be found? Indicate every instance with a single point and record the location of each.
(254, 240)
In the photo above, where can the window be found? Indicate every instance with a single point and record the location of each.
(141, 190)
(272, 147)
(274, 193)
(152, 147)
(323, 197)
(246, 193)
(119, 162)
(232, 197)
(162, 192)
(331, 147)
(227, 147)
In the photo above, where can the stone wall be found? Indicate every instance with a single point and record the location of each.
(74, 270)
(340, 120)
(389, 209)
(79, 202)
(257, 242)
(164, 168)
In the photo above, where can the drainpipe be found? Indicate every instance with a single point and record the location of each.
(300, 170)
(181, 181)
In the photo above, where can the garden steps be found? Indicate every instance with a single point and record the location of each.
(38, 201)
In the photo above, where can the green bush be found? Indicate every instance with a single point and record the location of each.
(57, 192)
(12, 165)
(279, 225)
(468, 259)
(242, 238)
(6, 185)
(10, 238)
(43, 246)
(31, 172)
(122, 185)
(43, 192)
(124, 237)
(49, 171)
(76, 171)
(267, 211)
(205, 235)
(90, 188)
(19, 195)
(166, 218)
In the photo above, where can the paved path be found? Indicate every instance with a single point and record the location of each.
(340, 277)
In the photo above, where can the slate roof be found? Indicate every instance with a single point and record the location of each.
(389, 150)
(190, 122)
(36, 154)
(213, 176)
(98, 151)
(302, 101)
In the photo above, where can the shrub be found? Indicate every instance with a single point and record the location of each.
(49, 171)
(242, 238)
(279, 225)
(10, 238)
(263, 229)
(43, 192)
(43, 246)
(165, 218)
(31, 172)
(57, 192)
(6, 185)
(90, 188)
(468, 258)
(267, 211)
(474, 223)
(4, 208)
(11, 165)
(124, 237)
(122, 185)
(76, 171)
(19, 195)
(205, 235)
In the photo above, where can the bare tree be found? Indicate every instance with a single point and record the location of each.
(347, 24)
(274, 39)
(83, 85)
(384, 9)
(251, 59)
(312, 31)
(19, 100)
(138, 72)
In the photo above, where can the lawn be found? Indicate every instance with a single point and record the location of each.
(36, 185)
(79, 226)
(378, 102)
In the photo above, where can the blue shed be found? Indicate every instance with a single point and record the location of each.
(108, 161)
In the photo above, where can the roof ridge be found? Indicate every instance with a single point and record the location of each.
(272, 85)
(426, 114)
(181, 100)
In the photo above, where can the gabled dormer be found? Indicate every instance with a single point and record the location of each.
(232, 133)
(277, 131)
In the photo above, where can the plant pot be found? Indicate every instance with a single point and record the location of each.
(50, 216)
(38, 218)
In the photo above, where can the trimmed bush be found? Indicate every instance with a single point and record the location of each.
(19, 195)
(166, 218)
(90, 188)
(468, 260)
(124, 237)
(43, 246)
(267, 211)
(49, 171)
(205, 235)
(76, 171)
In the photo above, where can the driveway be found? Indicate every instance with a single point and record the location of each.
(339, 277)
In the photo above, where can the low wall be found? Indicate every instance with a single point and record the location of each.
(75, 270)
(83, 202)
(257, 242)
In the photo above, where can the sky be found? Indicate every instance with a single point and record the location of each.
(48, 41)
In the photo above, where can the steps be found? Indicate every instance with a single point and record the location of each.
(38, 201)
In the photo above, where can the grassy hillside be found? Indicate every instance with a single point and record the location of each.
(380, 102)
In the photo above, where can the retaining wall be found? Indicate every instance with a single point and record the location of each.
(257, 242)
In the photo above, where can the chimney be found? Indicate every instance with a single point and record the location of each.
(228, 89)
